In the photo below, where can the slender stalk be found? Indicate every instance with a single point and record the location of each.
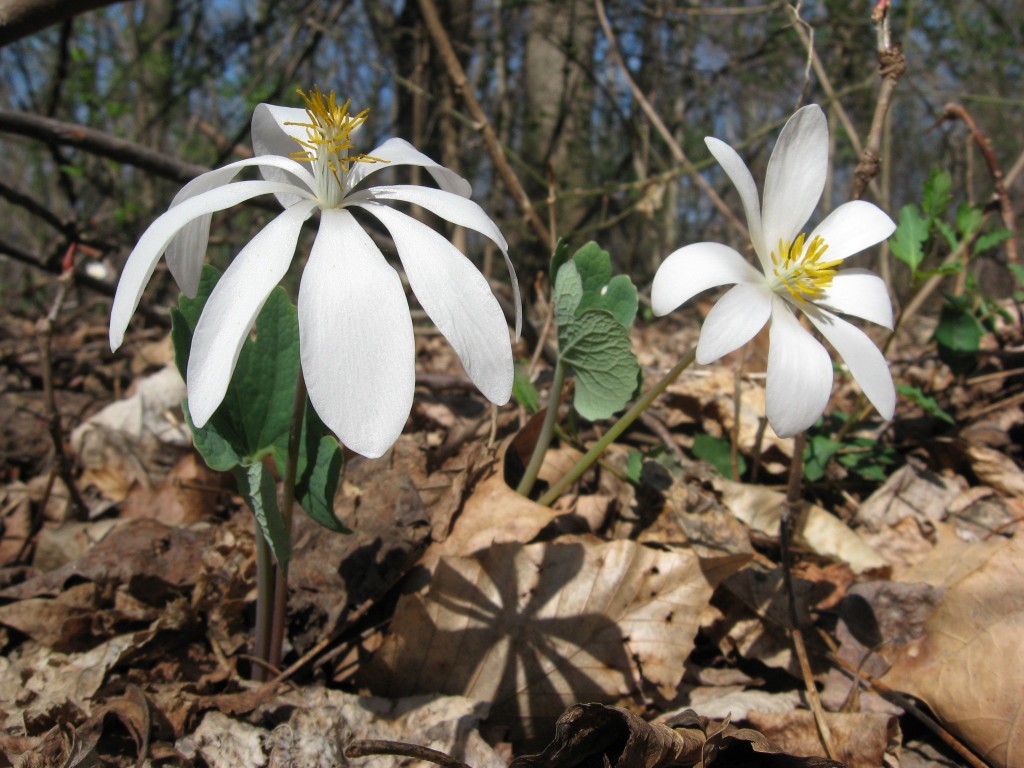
(547, 432)
(616, 429)
(264, 602)
(787, 521)
(280, 614)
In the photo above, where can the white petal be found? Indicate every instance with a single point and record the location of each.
(456, 209)
(272, 135)
(232, 308)
(852, 227)
(695, 268)
(799, 374)
(734, 320)
(277, 130)
(355, 337)
(142, 260)
(796, 176)
(862, 357)
(457, 298)
(739, 174)
(401, 152)
(860, 293)
(187, 250)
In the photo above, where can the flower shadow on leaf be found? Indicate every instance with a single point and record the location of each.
(516, 626)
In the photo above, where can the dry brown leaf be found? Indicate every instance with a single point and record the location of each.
(761, 507)
(532, 628)
(969, 664)
(314, 724)
(593, 735)
(493, 514)
(862, 740)
(912, 491)
(996, 469)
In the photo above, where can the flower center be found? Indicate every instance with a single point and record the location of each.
(327, 143)
(800, 270)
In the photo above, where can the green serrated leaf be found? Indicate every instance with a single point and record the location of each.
(718, 452)
(968, 219)
(907, 242)
(523, 390)
(948, 234)
(259, 490)
(938, 192)
(928, 404)
(616, 294)
(991, 240)
(597, 347)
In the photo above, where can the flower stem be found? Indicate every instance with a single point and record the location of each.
(280, 615)
(547, 431)
(616, 429)
(264, 601)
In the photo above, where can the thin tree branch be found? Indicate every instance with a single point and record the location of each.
(47, 129)
(21, 18)
(461, 84)
(892, 65)
(659, 125)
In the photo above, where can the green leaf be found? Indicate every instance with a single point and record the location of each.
(259, 490)
(907, 242)
(634, 466)
(597, 347)
(1018, 273)
(558, 258)
(817, 454)
(254, 420)
(718, 452)
(953, 268)
(938, 192)
(991, 240)
(958, 329)
(523, 390)
(947, 232)
(958, 336)
(317, 470)
(602, 291)
(568, 293)
(928, 404)
(968, 220)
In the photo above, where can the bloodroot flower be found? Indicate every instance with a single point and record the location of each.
(355, 330)
(799, 272)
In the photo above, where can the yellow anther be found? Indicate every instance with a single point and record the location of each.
(328, 132)
(800, 270)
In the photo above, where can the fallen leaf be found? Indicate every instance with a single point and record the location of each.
(822, 533)
(595, 735)
(969, 663)
(532, 628)
(996, 469)
(861, 740)
(912, 491)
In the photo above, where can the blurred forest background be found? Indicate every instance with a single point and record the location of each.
(166, 88)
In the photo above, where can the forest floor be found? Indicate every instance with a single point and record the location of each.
(462, 617)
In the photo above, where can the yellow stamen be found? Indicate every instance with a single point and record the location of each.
(801, 271)
(328, 135)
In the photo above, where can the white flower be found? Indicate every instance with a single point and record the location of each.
(796, 275)
(355, 330)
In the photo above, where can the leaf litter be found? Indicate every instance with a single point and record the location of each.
(463, 617)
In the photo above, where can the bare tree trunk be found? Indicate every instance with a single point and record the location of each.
(559, 98)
